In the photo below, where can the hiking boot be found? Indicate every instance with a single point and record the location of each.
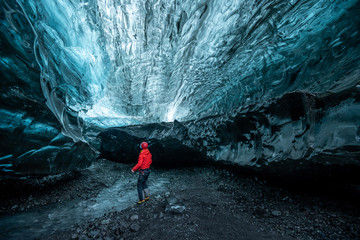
(147, 198)
(140, 202)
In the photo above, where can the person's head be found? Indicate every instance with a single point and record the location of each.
(144, 145)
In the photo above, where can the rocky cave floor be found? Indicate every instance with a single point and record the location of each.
(194, 203)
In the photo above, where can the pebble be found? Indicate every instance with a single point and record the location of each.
(83, 237)
(186, 198)
(105, 222)
(95, 233)
(157, 197)
(118, 231)
(134, 227)
(276, 213)
(134, 217)
(177, 209)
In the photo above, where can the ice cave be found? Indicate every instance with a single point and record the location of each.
(267, 87)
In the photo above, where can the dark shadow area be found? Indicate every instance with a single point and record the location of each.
(168, 151)
(316, 180)
(13, 187)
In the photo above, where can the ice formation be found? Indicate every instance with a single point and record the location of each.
(104, 63)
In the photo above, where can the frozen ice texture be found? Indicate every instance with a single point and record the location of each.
(117, 63)
(103, 63)
(299, 136)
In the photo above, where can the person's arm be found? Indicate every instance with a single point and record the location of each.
(138, 165)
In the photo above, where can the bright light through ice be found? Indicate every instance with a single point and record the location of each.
(103, 115)
(177, 112)
(170, 114)
(101, 109)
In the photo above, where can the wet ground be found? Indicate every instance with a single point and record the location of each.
(187, 203)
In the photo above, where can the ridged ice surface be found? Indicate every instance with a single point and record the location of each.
(105, 63)
(127, 62)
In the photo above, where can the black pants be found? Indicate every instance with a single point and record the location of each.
(141, 185)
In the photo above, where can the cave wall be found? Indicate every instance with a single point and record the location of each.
(31, 136)
(297, 136)
(270, 82)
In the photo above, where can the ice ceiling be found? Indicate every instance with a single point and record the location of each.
(278, 80)
(115, 63)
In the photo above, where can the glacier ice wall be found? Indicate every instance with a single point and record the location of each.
(126, 62)
(32, 142)
(103, 63)
(298, 137)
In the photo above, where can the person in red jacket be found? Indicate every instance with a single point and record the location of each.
(143, 165)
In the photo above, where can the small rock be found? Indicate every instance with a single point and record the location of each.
(134, 217)
(167, 194)
(118, 231)
(125, 225)
(276, 213)
(155, 216)
(161, 215)
(105, 222)
(186, 198)
(157, 197)
(172, 200)
(341, 220)
(177, 209)
(83, 237)
(134, 227)
(95, 233)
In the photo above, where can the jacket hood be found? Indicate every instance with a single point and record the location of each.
(145, 151)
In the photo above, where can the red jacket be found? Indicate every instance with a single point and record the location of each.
(145, 160)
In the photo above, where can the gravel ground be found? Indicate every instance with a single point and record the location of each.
(194, 203)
